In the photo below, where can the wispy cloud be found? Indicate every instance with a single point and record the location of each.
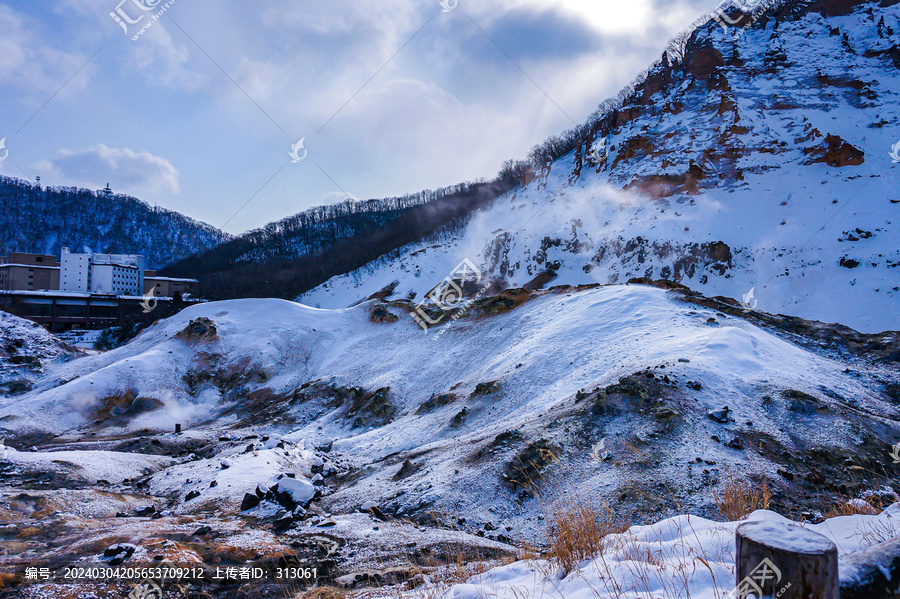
(137, 173)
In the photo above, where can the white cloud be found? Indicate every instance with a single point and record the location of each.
(157, 54)
(28, 63)
(138, 173)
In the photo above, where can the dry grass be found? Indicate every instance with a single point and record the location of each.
(326, 592)
(740, 498)
(577, 528)
(845, 508)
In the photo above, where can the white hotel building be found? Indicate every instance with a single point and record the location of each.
(111, 274)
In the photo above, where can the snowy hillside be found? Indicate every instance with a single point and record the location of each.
(661, 560)
(356, 429)
(747, 165)
(25, 348)
(612, 379)
(685, 318)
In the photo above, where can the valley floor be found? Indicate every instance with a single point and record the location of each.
(392, 458)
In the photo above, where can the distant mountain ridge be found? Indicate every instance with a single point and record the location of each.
(44, 220)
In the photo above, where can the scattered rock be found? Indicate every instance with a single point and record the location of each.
(202, 531)
(736, 443)
(199, 330)
(293, 492)
(250, 501)
(406, 470)
(665, 414)
(836, 152)
(526, 468)
(486, 388)
(460, 418)
(372, 409)
(380, 314)
(117, 554)
(192, 495)
(436, 401)
(720, 416)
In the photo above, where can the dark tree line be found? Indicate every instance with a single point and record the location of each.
(345, 237)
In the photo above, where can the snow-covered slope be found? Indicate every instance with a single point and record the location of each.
(680, 557)
(25, 348)
(612, 380)
(752, 164)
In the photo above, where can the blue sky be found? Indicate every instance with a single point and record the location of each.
(200, 112)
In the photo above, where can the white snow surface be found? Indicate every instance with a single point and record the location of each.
(88, 466)
(541, 353)
(684, 556)
(562, 342)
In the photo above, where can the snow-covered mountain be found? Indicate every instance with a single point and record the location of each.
(575, 343)
(760, 161)
(304, 250)
(44, 220)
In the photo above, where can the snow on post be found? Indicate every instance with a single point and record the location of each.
(785, 561)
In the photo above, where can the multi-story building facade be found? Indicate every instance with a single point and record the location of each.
(111, 274)
(167, 286)
(28, 272)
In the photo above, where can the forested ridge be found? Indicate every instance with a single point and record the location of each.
(43, 220)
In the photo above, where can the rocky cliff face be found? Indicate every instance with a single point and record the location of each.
(756, 159)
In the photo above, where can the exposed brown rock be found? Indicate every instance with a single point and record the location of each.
(835, 152)
(703, 60)
(199, 330)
